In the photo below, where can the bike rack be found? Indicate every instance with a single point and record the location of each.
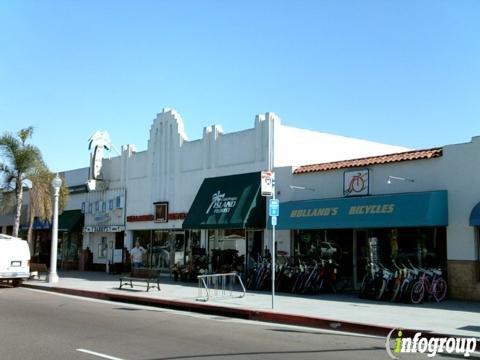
(216, 285)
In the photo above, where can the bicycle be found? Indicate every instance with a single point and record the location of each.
(430, 282)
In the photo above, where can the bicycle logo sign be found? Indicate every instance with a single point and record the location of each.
(355, 183)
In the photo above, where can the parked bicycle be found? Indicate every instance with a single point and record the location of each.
(300, 277)
(403, 282)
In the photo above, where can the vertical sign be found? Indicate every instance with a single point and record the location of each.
(267, 180)
(274, 207)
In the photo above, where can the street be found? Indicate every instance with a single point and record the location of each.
(40, 325)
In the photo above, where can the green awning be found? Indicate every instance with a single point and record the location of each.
(71, 220)
(228, 202)
(377, 211)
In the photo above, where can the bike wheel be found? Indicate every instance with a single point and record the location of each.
(381, 290)
(368, 288)
(363, 288)
(417, 293)
(439, 289)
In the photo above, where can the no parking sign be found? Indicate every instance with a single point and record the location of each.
(267, 180)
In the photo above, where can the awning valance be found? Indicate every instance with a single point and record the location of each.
(475, 215)
(39, 224)
(71, 220)
(228, 202)
(377, 211)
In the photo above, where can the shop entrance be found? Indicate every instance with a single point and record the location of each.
(255, 244)
(167, 249)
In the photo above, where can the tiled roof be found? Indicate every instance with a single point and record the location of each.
(372, 160)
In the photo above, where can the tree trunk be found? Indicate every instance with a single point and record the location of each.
(18, 210)
(31, 219)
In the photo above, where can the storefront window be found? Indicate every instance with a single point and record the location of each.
(177, 239)
(164, 248)
(227, 249)
(310, 245)
(144, 238)
(102, 248)
(255, 247)
(352, 250)
(71, 244)
(193, 246)
(160, 250)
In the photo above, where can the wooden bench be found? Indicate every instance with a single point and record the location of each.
(36, 269)
(142, 275)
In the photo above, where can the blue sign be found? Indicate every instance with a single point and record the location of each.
(274, 221)
(274, 207)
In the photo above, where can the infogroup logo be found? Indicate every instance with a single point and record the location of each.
(400, 344)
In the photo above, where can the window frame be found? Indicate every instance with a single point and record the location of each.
(161, 216)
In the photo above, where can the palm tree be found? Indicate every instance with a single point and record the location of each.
(20, 159)
(40, 197)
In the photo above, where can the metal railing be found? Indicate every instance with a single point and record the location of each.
(219, 285)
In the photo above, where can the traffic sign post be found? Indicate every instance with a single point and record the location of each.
(268, 189)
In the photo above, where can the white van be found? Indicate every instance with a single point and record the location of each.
(14, 259)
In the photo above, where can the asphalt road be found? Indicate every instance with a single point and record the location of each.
(40, 325)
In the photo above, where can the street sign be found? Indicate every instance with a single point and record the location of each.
(267, 181)
(274, 221)
(274, 207)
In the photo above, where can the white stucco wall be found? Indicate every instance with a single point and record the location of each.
(75, 177)
(296, 147)
(173, 168)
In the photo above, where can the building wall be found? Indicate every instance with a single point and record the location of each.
(456, 171)
(173, 168)
(296, 147)
(75, 178)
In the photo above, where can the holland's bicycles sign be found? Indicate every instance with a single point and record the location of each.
(356, 182)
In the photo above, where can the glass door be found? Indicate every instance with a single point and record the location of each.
(177, 245)
(160, 251)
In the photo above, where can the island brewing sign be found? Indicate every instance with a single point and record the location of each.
(221, 204)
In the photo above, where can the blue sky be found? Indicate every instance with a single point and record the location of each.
(403, 72)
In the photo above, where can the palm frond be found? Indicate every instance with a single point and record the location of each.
(18, 160)
(24, 134)
(9, 146)
(7, 202)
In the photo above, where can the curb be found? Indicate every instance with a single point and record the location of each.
(240, 313)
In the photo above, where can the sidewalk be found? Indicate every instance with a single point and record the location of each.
(345, 312)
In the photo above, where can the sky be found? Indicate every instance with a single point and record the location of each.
(401, 72)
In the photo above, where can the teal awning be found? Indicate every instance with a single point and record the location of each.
(475, 216)
(228, 202)
(378, 211)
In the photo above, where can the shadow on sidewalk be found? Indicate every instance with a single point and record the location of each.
(347, 297)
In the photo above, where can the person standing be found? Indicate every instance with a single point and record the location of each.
(136, 255)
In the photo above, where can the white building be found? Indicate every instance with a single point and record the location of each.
(160, 184)
(424, 203)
